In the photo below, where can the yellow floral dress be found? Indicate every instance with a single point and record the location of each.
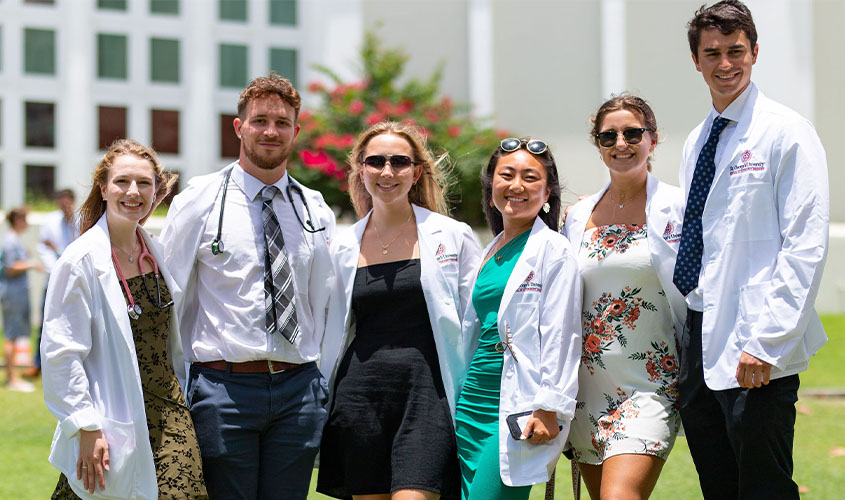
(176, 452)
(628, 379)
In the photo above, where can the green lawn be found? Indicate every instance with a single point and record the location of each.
(28, 430)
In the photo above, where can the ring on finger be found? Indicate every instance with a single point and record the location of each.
(84, 466)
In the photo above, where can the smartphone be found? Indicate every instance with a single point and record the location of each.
(516, 422)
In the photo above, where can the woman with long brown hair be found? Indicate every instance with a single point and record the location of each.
(112, 365)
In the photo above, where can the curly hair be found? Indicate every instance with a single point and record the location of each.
(272, 84)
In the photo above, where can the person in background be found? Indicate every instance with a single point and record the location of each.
(522, 332)
(112, 360)
(626, 239)
(396, 370)
(14, 294)
(750, 262)
(249, 245)
(59, 229)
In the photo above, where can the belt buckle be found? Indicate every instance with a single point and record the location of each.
(270, 368)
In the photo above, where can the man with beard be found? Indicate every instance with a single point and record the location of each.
(253, 309)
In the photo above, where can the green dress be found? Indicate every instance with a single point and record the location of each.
(477, 414)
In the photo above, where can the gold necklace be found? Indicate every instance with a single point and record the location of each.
(622, 205)
(398, 233)
(129, 255)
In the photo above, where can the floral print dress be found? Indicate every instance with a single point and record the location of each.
(628, 379)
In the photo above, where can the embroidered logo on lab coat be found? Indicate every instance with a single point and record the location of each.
(670, 235)
(529, 285)
(443, 257)
(746, 165)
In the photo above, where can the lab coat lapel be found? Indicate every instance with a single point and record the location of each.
(578, 216)
(431, 276)
(739, 136)
(524, 265)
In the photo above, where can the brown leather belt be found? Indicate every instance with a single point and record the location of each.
(260, 366)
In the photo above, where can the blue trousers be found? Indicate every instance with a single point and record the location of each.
(740, 439)
(259, 433)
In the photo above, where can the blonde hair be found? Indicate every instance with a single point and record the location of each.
(430, 189)
(95, 206)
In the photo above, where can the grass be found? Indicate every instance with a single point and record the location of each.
(819, 435)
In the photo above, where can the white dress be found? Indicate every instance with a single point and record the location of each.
(628, 379)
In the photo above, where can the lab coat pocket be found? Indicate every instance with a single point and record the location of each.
(120, 478)
(751, 300)
(752, 209)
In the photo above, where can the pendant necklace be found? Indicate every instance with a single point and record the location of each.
(622, 205)
(398, 233)
(130, 255)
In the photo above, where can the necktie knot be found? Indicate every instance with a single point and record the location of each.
(268, 192)
(719, 124)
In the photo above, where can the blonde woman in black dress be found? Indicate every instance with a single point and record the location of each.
(393, 344)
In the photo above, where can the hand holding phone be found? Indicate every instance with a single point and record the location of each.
(517, 422)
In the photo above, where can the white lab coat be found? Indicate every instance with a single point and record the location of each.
(664, 217)
(765, 228)
(449, 257)
(187, 218)
(542, 306)
(90, 369)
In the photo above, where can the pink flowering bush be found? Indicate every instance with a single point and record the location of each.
(348, 108)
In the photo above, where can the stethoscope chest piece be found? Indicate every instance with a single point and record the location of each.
(217, 247)
(134, 310)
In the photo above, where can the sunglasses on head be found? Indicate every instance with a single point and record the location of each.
(534, 146)
(608, 138)
(397, 162)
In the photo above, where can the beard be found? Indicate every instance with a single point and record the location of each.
(266, 160)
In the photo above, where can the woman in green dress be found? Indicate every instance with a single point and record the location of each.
(523, 332)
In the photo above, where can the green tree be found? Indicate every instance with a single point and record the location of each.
(329, 131)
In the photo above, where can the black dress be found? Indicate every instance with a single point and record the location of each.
(389, 427)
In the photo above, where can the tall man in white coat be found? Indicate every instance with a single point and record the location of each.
(249, 246)
(752, 252)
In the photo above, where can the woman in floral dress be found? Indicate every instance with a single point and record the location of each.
(626, 237)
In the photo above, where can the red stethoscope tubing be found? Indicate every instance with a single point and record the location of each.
(134, 309)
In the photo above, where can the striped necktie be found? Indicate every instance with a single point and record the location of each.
(688, 265)
(279, 296)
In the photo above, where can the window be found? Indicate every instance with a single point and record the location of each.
(112, 125)
(111, 4)
(164, 60)
(232, 10)
(283, 62)
(40, 181)
(283, 12)
(111, 56)
(39, 51)
(230, 145)
(233, 65)
(40, 124)
(165, 131)
(164, 7)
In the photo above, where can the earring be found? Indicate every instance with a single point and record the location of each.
(546, 207)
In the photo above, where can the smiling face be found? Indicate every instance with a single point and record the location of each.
(267, 132)
(725, 63)
(388, 186)
(519, 188)
(129, 191)
(623, 157)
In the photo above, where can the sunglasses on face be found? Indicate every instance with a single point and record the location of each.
(631, 136)
(534, 146)
(399, 163)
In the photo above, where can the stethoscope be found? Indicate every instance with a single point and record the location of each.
(134, 309)
(308, 226)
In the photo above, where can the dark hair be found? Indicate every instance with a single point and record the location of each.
(15, 214)
(726, 16)
(272, 84)
(95, 206)
(64, 193)
(430, 189)
(629, 102)
(494, 217)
